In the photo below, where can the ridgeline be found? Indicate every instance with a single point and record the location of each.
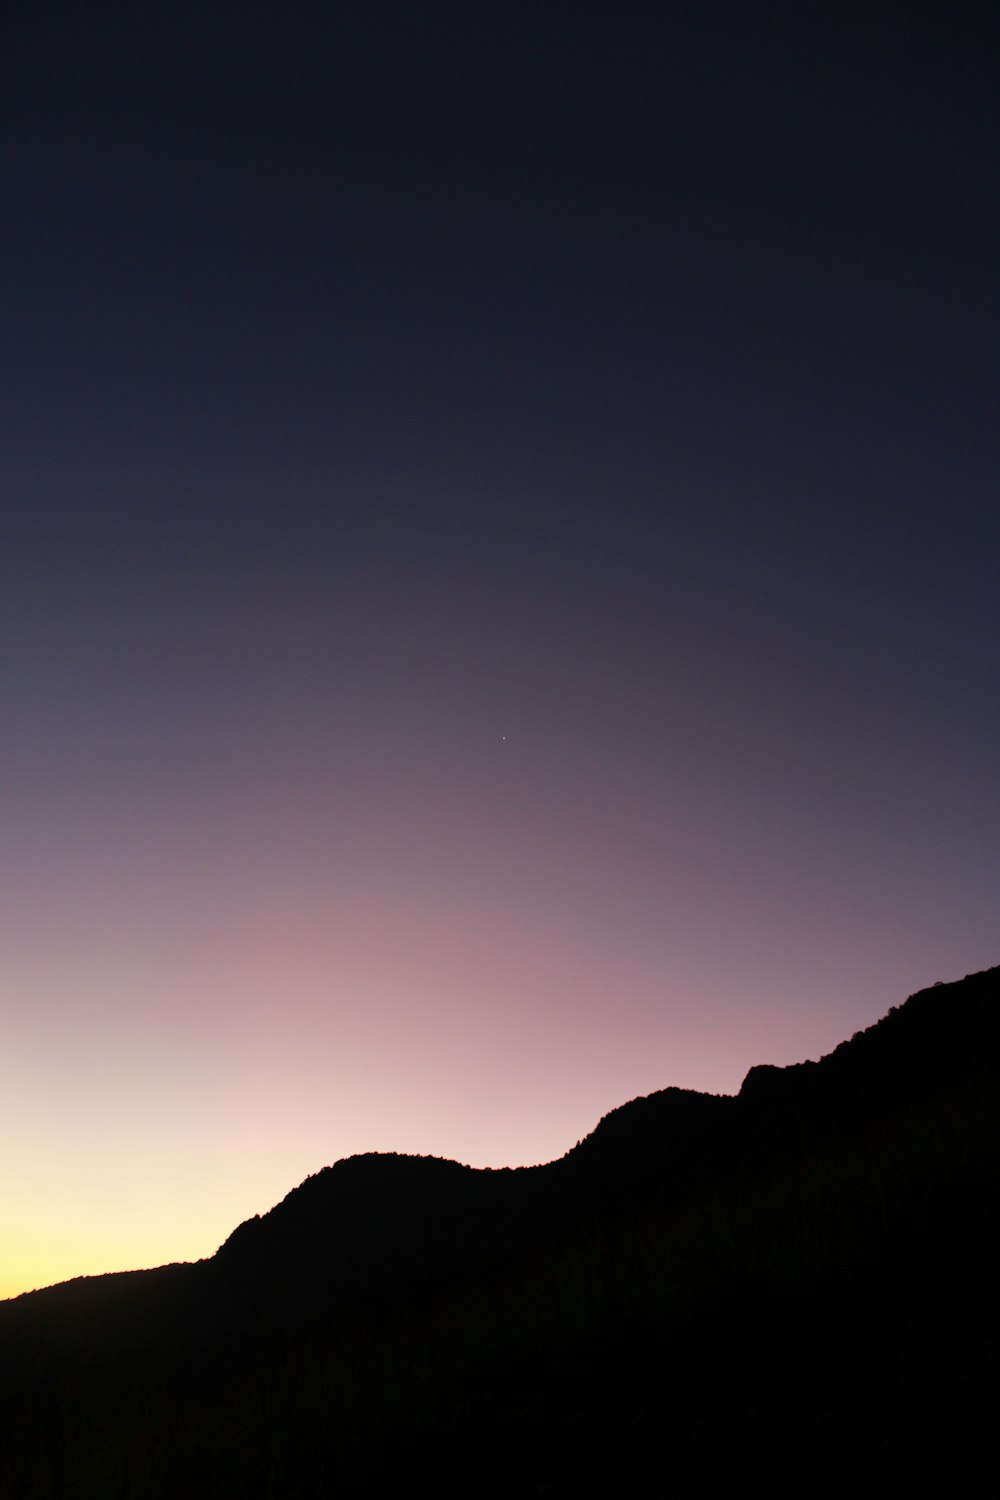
(792, 1288)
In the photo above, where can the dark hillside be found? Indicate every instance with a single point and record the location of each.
(796, 1282)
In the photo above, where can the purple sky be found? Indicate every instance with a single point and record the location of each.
(498, 560)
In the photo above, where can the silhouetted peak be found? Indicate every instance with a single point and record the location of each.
(353, 1193)
(365, 1229)
(663, 1122)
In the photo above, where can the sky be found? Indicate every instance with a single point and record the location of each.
(498, 555)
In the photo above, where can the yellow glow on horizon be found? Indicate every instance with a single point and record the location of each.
(42, 1254)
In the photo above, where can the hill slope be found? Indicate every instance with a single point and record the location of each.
(797, 1277)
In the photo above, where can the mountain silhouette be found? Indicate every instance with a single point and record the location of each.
(795, 1282)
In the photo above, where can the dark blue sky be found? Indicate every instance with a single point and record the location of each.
(499, 523)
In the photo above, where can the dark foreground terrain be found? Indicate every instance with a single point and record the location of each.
(790, 1290)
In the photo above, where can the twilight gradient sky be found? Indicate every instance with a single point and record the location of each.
(498, 576)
